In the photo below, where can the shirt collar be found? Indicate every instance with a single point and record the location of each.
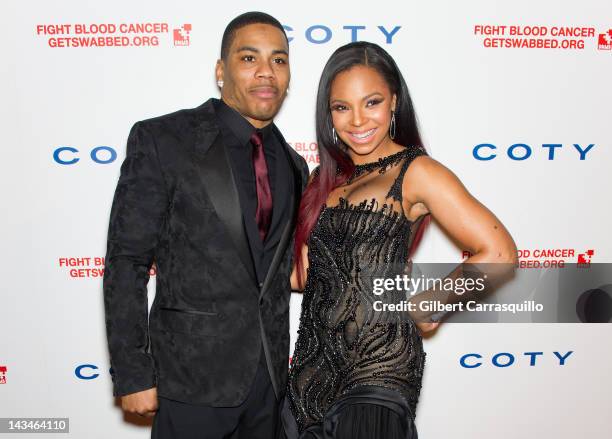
(238, 124)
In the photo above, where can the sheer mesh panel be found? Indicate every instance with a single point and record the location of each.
(343, 342)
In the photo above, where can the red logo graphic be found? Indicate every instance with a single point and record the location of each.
(548, 257)
(2, 374)
(605, 41)
(181, 35)
(584, 259)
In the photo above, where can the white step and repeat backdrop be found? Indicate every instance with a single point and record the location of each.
(514, 97)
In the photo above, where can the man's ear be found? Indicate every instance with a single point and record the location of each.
(219, 70)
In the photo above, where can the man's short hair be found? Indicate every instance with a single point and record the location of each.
(242, 21)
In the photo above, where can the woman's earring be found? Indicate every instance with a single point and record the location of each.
(392, 126)
(334, 136)
(220, 84)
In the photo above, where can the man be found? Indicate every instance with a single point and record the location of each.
(210, 195)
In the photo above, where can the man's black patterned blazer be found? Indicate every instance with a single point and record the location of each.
(176, 204)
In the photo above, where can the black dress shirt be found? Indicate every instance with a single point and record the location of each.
(236, 132)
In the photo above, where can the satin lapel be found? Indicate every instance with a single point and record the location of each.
(218, 179)
(287, 232)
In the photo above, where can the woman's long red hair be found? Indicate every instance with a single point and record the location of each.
(333, 171)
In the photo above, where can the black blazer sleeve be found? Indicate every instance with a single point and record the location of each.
(137, 216)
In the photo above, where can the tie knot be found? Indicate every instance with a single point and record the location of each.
(256, 138)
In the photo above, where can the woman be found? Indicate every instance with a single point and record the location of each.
(356, 371)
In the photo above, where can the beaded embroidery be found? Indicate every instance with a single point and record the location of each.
(342, 342)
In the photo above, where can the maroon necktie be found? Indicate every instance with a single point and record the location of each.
(263, 214)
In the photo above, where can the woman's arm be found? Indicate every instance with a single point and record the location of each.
(295, 285)
(429, 187)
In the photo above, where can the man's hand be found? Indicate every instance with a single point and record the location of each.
(142, 403)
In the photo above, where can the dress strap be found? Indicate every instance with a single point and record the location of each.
(396, 189)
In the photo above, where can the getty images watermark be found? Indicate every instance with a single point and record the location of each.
(490, 293)
(444, 287)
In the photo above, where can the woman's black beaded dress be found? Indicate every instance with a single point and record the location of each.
(347, 354)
